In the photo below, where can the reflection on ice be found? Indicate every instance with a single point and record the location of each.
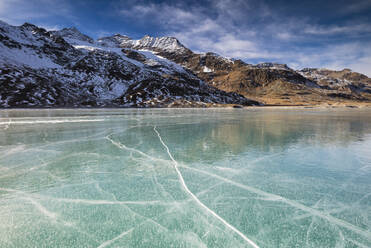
(185, 178)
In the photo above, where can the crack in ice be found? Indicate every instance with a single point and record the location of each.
(50, 121)
(181, 179)
(106, 202)
(108, 242)
(123, 147)
(292, 203)
(80, 201)
(41, 208)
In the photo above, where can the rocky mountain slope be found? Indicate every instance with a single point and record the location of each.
(66, 68)
(277, 84)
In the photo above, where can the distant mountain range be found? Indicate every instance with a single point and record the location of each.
(65, 68)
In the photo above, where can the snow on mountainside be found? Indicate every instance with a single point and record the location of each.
(113, 41)
(69, 69)
(157, 44)
(167, 44)
(73, 36)
(32, 46)
(66, 68)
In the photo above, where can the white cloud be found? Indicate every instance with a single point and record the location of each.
(335, 30)
(162, 14)
(285, 36)
(355, 55)
(362, 65)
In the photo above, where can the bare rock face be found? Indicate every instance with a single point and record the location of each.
(69, 69)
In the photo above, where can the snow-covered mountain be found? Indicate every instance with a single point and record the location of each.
(73, 36)
(162, 44)
(113, 41)
(66, 68)
(156, 44)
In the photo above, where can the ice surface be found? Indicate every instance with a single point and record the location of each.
(185, 178)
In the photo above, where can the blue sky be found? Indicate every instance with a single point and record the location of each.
(331, 34)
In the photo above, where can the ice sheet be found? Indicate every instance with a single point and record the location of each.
(185, 178)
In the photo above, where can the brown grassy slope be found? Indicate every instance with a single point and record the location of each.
(278, 86)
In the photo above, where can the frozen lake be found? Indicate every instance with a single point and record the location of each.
(185, 178)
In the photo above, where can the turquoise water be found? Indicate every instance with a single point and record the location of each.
(185, 178)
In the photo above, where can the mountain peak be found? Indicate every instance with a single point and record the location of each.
(32, 27)
(165, 44)
(121, 36)
(27, 24)
(113, 41)
(73, 35)
(158, 44)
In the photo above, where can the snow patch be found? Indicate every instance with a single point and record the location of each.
(207, 69)
(158, 60)
(25, 56)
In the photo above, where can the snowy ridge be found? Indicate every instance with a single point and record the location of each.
(113, 41)
(151, 57)
(73, 36)
(166, 44)
(211, 54)
(28, 45)
(163, 44)
(168, 65)
(69, 69)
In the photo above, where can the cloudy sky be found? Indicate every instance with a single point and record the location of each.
(334, 34)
